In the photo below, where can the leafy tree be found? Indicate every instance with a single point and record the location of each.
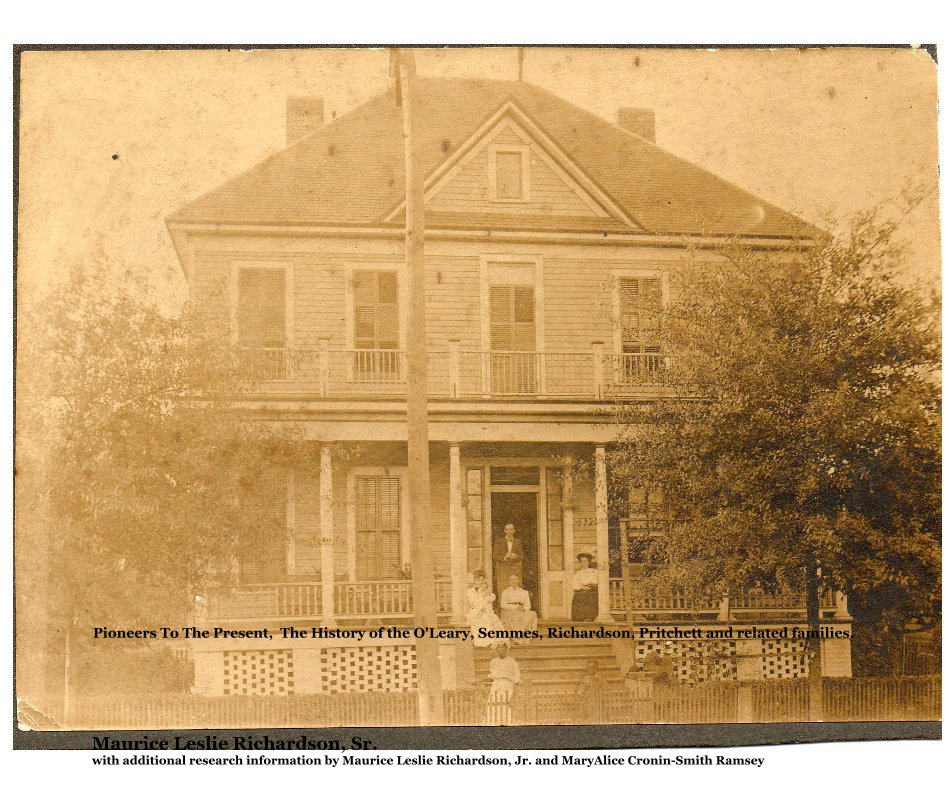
(136, 480)
(803, 439)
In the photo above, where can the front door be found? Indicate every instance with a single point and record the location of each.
(520, 509)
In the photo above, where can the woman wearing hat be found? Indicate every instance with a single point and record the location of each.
(585, 579)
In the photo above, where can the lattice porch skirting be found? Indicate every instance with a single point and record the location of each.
(715, 660)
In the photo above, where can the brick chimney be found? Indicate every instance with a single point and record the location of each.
(641, 122)
(304, 116)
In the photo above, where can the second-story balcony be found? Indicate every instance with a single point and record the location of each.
(455, 373)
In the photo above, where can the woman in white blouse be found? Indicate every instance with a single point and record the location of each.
(481, 613)
(585, 580)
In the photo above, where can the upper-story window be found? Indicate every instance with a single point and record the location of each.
(638, 301)
(376, 326)
(509, 173)
(513, 339)
(376, 309)
(640, 327)
(640, 310)
(262, 307)
(512, 318)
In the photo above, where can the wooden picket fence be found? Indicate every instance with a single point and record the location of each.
(845, 699)
(164, 711)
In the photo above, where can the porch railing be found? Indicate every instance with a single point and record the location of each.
(289, 601)
(285, 601)
(303, 600)
(750, 601)
(454, 373)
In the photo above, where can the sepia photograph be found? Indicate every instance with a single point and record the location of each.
(476, 387)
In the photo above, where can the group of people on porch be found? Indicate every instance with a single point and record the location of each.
(514, 609)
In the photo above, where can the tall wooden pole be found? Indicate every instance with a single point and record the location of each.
(815, 668)
(423, 566)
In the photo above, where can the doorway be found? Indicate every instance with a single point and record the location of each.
(518, 508)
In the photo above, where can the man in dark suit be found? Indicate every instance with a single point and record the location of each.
(508, 558)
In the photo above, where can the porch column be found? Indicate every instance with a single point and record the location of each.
(456, 535)
(602, 538)
(327, 567)
(291, 523)
(569, 558)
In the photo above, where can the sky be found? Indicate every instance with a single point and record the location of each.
(113, 142)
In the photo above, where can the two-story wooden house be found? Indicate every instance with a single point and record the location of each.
(550, 236)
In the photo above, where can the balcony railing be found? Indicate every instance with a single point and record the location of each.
(290, 601)
(454, 373)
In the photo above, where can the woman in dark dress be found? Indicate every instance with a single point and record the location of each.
(585, 580)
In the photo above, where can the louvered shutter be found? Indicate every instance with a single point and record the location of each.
(376, 309)
(274, 308)
(629, 315)
(651, 306)
(640, 307)
(364, 311)
(390, 514)
(523, 317)
(512, 318)
(262, 307)
(249, 324)
(378, 528)
(263, 546)
(501, 312)
(387, 319)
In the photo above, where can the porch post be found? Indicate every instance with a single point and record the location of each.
(456, 535)
(291, 556)
(602, 537)
(569, 558)
(327, 567)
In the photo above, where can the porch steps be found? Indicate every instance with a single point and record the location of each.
(553, 664)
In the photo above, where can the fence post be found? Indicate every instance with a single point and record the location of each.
(746, 704)
(454, 368)
(598, 369)
(324, 366)
(840, 604)
(724, 609)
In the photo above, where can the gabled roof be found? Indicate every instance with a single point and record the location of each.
(351, 172)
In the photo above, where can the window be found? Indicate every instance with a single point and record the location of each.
(474, 492)
(509, 173)
(262, 321)
(376, 325)
(262, 307)
(376, 309)
(640, 309)
(509, 176)
(645, 527)
(515, 475)
(513, 330)
(378, 528)
(555, 543)
(262, 554)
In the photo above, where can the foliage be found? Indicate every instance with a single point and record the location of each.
(807, 425)
(132, 469)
